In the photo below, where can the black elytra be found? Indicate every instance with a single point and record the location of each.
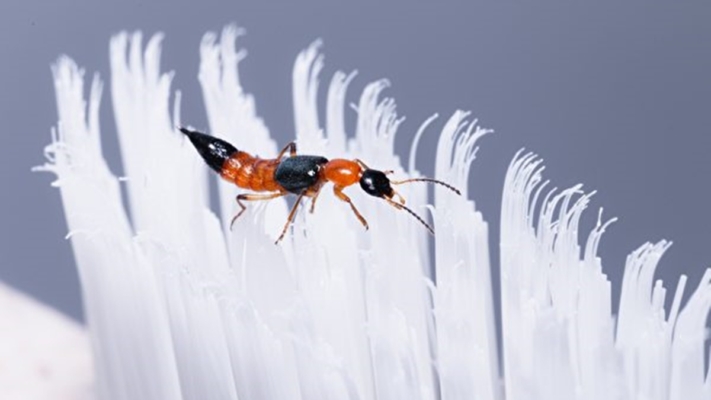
(299, 173)
(213, 150)
(375, 183)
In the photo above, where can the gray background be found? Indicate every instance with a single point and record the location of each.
(613, 96)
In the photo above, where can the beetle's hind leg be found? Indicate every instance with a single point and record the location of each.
(253, 197)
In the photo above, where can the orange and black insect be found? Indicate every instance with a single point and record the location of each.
(302, 175)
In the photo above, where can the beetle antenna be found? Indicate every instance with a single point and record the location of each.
(402, 207)
(448, 186)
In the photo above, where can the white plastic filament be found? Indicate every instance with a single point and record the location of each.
(180, 306)
(559, 338)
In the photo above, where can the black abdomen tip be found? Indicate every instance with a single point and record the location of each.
(213, 150)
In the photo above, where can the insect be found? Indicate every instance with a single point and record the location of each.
(301, 175)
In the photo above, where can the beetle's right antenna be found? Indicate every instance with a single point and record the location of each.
(448, 186)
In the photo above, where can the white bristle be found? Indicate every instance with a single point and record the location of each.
(180, 306)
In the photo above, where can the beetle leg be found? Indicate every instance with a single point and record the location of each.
(253, 197)
(338, 191)
(291, 216)
(361, 163)
(291, 148)
(314, 196)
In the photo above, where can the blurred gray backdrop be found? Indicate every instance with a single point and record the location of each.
(614, 96)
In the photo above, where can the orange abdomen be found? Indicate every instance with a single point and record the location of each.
(249, 172)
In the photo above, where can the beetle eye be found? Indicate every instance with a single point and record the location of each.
(375, 183)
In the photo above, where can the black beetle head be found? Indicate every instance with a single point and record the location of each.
(375, 183)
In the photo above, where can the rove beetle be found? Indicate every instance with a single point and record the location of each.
(302, 175)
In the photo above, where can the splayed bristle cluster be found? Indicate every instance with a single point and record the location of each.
(180, 307)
